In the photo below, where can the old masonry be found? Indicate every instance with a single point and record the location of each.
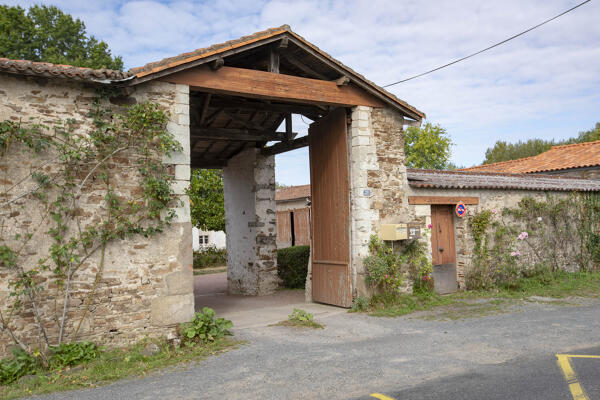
(227, 103)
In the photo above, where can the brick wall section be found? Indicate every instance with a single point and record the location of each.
(146, 287)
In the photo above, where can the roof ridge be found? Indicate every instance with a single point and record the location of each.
(502, 162)
(575, 144)
(489, 173)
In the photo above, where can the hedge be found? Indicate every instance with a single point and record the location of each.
(292, 266)
(210, 257)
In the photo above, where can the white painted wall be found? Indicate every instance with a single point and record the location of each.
(215, 238)
(240, 213)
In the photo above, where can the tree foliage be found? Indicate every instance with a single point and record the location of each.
(427, 147)
(45, 33)
(504, 151)
(207, 199)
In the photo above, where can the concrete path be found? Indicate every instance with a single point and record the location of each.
(251, 311)
(210, 284)
(511, 355)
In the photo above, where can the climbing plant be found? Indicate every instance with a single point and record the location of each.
(66, 168)
(535, 237)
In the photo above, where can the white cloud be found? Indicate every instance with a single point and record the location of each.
(544, 84)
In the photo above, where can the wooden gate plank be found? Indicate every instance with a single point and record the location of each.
(330, 200)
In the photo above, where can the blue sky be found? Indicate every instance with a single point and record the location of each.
(545, 84)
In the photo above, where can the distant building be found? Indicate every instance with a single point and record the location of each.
(293, 216)
(580, 160)
(202, 239)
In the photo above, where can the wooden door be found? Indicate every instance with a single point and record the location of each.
(442, 249)
(302, 226)
(330, 211)
(284, 229)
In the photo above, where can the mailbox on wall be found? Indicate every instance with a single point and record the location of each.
(399, 231)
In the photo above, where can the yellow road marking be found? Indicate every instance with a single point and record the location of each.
(574, 386)
(381, 396)
(578, 356)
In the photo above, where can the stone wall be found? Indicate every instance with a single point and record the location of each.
(146, 285)
(585, 173)
(251, 223)
(488, 200)
(378, 182)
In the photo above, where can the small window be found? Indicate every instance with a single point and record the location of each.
(203, 239)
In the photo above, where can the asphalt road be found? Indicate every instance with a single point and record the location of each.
(503, 356)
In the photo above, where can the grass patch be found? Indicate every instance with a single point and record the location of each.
(300, 319)
(456, 306)
(463, 310)
(112, 365)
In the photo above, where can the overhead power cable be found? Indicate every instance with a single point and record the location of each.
(490, 47)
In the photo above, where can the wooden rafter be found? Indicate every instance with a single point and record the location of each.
(303, 67)
(236, 134)
(285, 146)
(253, 105)
(204, 111)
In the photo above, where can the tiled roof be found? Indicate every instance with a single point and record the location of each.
(292, 193)
(24, 67)
(568, 156)
(103, 75)
(482, 180)
(184, 58)
(197, 54)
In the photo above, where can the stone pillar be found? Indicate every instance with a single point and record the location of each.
(251, 223)
(363, 160)
(175, 303)
(378, 184)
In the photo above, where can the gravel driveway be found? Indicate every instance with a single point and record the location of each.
(357, 355)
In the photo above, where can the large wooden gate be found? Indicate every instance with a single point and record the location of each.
(330, 199)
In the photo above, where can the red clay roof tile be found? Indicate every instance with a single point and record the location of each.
(292, 193)
(568, 156)
(25, 67)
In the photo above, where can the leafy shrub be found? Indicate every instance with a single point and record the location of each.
(292, 266)
(19, 365)
(360, 304)
(383, 266)
(301, 318)
(67, 354)
(210, 257)
(205, 327)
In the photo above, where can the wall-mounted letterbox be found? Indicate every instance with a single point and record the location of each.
(394, 232)
(399, 231)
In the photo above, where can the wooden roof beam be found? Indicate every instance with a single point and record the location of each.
(284, 108)
(249, 135)
(278, 87)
